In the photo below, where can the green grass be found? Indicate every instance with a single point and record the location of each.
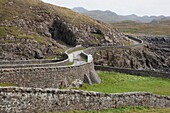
(6, 84)
(19, 34)
(124, 110)
(113, 82)
(70, 63)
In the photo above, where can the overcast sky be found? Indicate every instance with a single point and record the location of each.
(122, 7)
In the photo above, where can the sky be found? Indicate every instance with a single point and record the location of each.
(121, 7)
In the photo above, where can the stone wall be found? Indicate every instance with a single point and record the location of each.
(30, 100)
(134, 71)
(23, 64)
(45, 77)
(47, 73)
(138, 46)
(5, 62)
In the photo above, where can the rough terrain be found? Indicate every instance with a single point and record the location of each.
(154, 56)
(31, 29)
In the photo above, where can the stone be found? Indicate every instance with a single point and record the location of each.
(38, 54)
(95, 79)
(87, 79)
(76, 83)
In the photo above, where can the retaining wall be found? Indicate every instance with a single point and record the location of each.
(33, 61)
(138, 46)
(23, 64)
(29, 100)
(134, 72)
(45, 77)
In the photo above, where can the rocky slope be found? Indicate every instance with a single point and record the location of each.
(154, 56)
(32, 29)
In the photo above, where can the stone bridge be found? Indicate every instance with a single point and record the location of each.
(77, 64)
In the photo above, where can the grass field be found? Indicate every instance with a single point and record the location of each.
(117, 83)
(162, 28)
(113, 82)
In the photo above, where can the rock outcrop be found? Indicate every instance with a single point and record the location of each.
(154, 56)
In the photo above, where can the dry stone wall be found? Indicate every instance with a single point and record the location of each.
(134, 71)
(31, 100)
(47, 73)
(45, 77)
(138, 45)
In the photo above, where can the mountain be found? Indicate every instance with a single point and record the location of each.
(79, 9)
(112, 17)
(32, 29)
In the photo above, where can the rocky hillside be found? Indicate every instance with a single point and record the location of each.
(31, 29)
(154, 56)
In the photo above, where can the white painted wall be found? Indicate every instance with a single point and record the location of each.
(90, 58)
(70, 57)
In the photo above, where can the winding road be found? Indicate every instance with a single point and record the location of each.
(77, 58)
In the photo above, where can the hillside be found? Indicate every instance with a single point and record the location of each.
(161, 27)
(112, 17)
(31, 29)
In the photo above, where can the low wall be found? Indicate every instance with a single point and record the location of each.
(29, 100)
(23, 64)
(139, 46)
(87, 57)
(65, 57)
(134, 72)
(45, 77)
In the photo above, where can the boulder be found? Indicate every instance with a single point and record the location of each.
(95, 79)
(87, 79)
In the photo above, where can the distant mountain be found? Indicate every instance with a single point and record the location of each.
(112, 17)
(79, 10)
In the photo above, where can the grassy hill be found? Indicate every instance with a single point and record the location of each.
(160, 28)
(47, 25)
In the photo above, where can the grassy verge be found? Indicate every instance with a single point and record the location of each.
(117, 83)
(125, 110)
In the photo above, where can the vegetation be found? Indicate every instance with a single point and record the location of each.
(125, 110)
(76, 49)
(4, 31)
(6, 84)
(162, 28)
(97, 35)
(113, 82)
(70, 63)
